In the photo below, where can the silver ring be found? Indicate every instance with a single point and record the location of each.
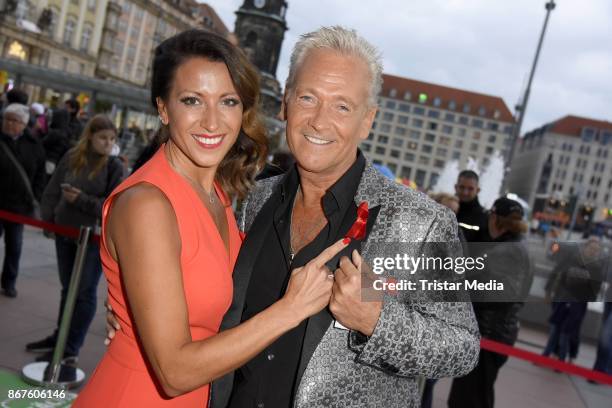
(330, 276)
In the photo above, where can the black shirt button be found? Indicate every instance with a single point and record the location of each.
(270, 356)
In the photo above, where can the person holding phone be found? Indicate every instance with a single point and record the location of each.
(84, 177)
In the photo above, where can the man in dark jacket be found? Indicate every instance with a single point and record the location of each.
(58, 140)
(21, 157)
(74, 124)
(472, 217)
(497, 311)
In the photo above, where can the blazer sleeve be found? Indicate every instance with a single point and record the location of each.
(423, 338)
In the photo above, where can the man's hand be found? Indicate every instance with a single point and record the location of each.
(346, 304)
(112, 324)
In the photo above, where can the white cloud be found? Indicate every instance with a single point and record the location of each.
(482, 45)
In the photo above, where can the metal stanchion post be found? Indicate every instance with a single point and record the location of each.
(34, 373)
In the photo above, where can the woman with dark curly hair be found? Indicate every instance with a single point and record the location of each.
(169, 238)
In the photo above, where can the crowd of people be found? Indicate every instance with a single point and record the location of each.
(267, 310)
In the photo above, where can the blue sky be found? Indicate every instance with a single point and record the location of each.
(484, 46)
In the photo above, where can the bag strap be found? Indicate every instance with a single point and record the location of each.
(20, 170)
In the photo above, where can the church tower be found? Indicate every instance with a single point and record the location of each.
(260, 29)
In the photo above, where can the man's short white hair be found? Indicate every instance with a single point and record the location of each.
(22, 111)
(345, 41)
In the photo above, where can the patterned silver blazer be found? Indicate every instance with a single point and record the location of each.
(412, 338)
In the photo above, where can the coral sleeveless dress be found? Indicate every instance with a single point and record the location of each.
(122, 378)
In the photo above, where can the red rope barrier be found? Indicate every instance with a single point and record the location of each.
(538, 359)
(69, 232)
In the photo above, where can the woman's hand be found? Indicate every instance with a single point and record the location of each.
(310, 286)
(70, 193)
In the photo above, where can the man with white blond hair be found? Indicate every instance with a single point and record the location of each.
(22, 160)
(356, 353)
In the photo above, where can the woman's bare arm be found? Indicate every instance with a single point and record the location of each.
(143, 236)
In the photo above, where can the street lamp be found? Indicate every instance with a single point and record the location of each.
(521, 108)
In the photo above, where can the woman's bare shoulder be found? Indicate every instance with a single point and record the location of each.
(142, 204)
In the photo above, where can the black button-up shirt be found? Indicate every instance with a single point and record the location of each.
(270, 378)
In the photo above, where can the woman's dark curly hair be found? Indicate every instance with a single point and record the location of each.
(248, 154)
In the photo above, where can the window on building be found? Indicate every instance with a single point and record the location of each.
(366, 147)
(437, 102)
(458, 144)
(417, 123)
(477, 123)
(383, 139)
(395, 154)
(86, 37)
(489, 150)
(493, 126)
(415, 134)
(466, 108)
(388, 116)
(426, 148)
(433, 113)
(376, 161)
(452, 105)
(69, 28)
(461, 132)
(492, 138)
(390, 105)
(402, 119)
(449, 117)
(371, 136)
(464, 120)
(445, 140)
(420, 177)
(405, 172)
(418, 110)
(476, 135)
(456, 155)
(407, 96)
(439, 163)
(399, 130)
(412, 145)
(432, 126)
(424, 160)
(430, 137)
(442, 152)
(380, 150)
(404, 107)
(482, 111)
(447, 129)
(409, 157)
(385, 127)
(393, 93)
(508, 129)
(496, 114)
(397, 142)
(474, 147)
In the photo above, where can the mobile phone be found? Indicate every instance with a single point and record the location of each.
(65, 186)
